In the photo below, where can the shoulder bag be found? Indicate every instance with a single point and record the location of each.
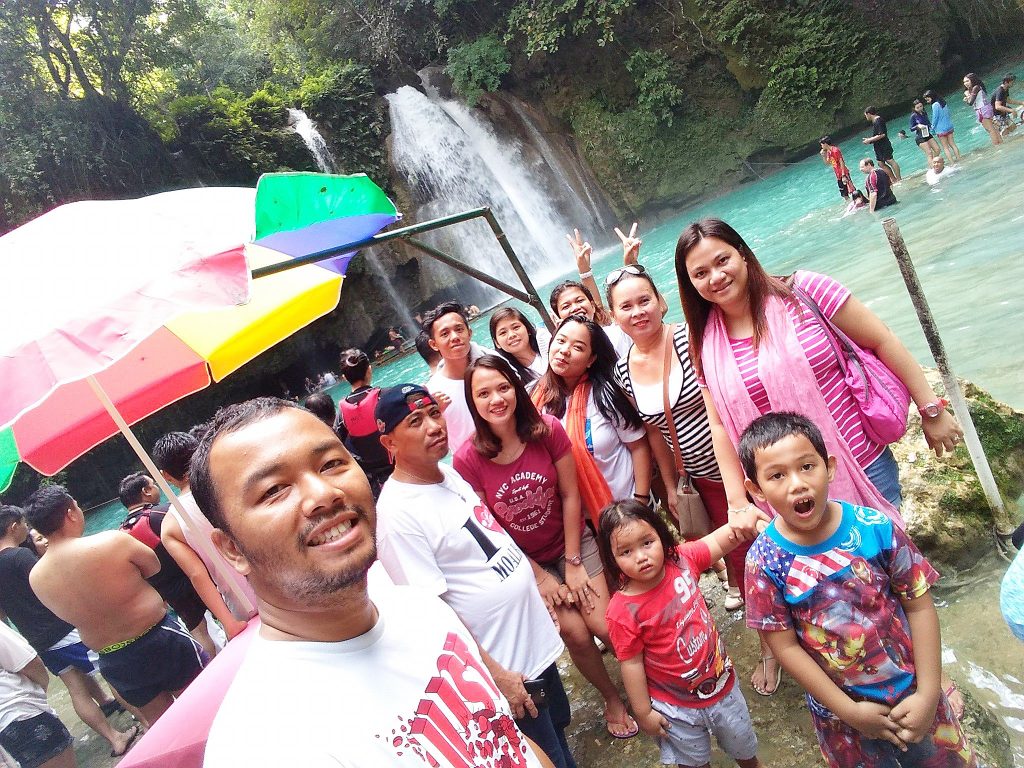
(693, 517)
(882, 399)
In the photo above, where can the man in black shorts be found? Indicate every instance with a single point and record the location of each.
(144, 522)
(879, 139)
(56, 641)
(1002, 113)
(98, 584)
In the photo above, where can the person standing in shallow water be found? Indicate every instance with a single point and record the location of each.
(879, 140)
(942, 125)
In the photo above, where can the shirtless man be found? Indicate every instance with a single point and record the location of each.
(98, 584)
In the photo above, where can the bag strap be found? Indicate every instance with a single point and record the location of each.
(837, 339)
(666, 369)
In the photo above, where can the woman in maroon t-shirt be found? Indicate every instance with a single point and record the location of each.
(521, 465)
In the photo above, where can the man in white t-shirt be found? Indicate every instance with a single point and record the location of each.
(334, 678)
(434, 532)
(29, 729)
(447, 325)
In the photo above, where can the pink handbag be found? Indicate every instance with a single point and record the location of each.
(883, 399)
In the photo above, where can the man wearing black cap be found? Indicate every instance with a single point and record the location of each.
(334, 676)
(434, 532)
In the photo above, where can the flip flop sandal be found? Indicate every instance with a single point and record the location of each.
(633, 730)
(778, 676)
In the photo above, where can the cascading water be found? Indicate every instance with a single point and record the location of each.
(317, 145)
(306, 128)
(453, 160)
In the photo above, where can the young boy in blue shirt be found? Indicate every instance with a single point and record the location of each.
(840, 596)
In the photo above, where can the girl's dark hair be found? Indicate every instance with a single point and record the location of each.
(930, 94)
(530, 427)
(760, 285)
(601, 314)
(525, 374)
(354, 365)
(975, 81)
(918, 101)
(611, 401)
(620, 513)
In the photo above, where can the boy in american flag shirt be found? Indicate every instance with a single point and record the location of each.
(841, 597)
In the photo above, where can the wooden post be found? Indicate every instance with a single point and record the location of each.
(953, 391)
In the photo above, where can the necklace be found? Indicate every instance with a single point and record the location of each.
(442, 482)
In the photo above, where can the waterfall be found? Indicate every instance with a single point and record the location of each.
(317, 145)
(453, 160)
(306, 128)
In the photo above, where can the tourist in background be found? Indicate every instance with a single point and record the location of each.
(321, 405)
(878, 186)
(757, 348)
(1002, 113)
(520, 463)
(879, 140)
(976, 96)
(942, 125)
(609, 443)
(833, 157)
(355, 423)
(922, 128)
(517, 340)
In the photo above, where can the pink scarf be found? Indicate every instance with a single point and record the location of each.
(791, 385)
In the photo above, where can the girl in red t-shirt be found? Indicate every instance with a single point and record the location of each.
(677, 674)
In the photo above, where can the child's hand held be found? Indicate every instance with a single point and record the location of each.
(915, 716)
(653, 723)
(873, 721)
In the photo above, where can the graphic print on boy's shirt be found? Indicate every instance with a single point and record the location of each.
(842, 597)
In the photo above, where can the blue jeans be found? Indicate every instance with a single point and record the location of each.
(547, 729)
(884, 474)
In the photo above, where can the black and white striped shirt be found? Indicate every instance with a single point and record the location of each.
(688, 412)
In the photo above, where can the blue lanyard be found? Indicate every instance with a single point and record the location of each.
(589, 437)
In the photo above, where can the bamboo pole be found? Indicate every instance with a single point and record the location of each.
(953, 390)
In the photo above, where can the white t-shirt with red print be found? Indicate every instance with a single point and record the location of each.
(442, 538)
(684, 658)
(412, 692)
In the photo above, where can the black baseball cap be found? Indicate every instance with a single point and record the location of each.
(394, 404)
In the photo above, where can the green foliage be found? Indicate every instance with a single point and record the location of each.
(343, 103)
(656, 78)
(543, 25)
(477, 67)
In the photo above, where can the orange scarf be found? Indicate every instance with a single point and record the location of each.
(594, 491)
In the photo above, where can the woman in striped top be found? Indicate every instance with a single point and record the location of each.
(639, 309)
(730, 303)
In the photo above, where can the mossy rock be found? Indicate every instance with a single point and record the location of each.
(943, 503)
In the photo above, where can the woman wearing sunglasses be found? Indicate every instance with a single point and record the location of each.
(758, 346)
(609, 443)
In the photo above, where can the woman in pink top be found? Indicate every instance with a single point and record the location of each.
(521, 465)
(756, 349)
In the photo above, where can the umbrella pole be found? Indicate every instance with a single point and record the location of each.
(149, 464)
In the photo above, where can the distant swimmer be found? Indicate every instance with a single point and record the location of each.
(938, 171)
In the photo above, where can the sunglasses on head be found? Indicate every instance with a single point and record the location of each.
(617, 274)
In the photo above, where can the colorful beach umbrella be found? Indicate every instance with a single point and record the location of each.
(150, 300)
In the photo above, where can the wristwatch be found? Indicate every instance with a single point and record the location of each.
(931, 410)
(574, 560)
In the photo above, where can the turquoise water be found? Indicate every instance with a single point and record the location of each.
(964, 234)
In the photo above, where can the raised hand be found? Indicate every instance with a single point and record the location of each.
(630, 245)
(581, 250)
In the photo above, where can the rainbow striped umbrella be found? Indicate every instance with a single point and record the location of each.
(143, 302)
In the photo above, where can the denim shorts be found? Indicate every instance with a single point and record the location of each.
(35, 740)
(690, 728)
(884, 474)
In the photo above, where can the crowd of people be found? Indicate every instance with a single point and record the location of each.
(413, 612)
(999, 114)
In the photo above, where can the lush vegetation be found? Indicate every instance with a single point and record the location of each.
(666, 99)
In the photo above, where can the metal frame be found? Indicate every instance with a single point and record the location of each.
(529, 295)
